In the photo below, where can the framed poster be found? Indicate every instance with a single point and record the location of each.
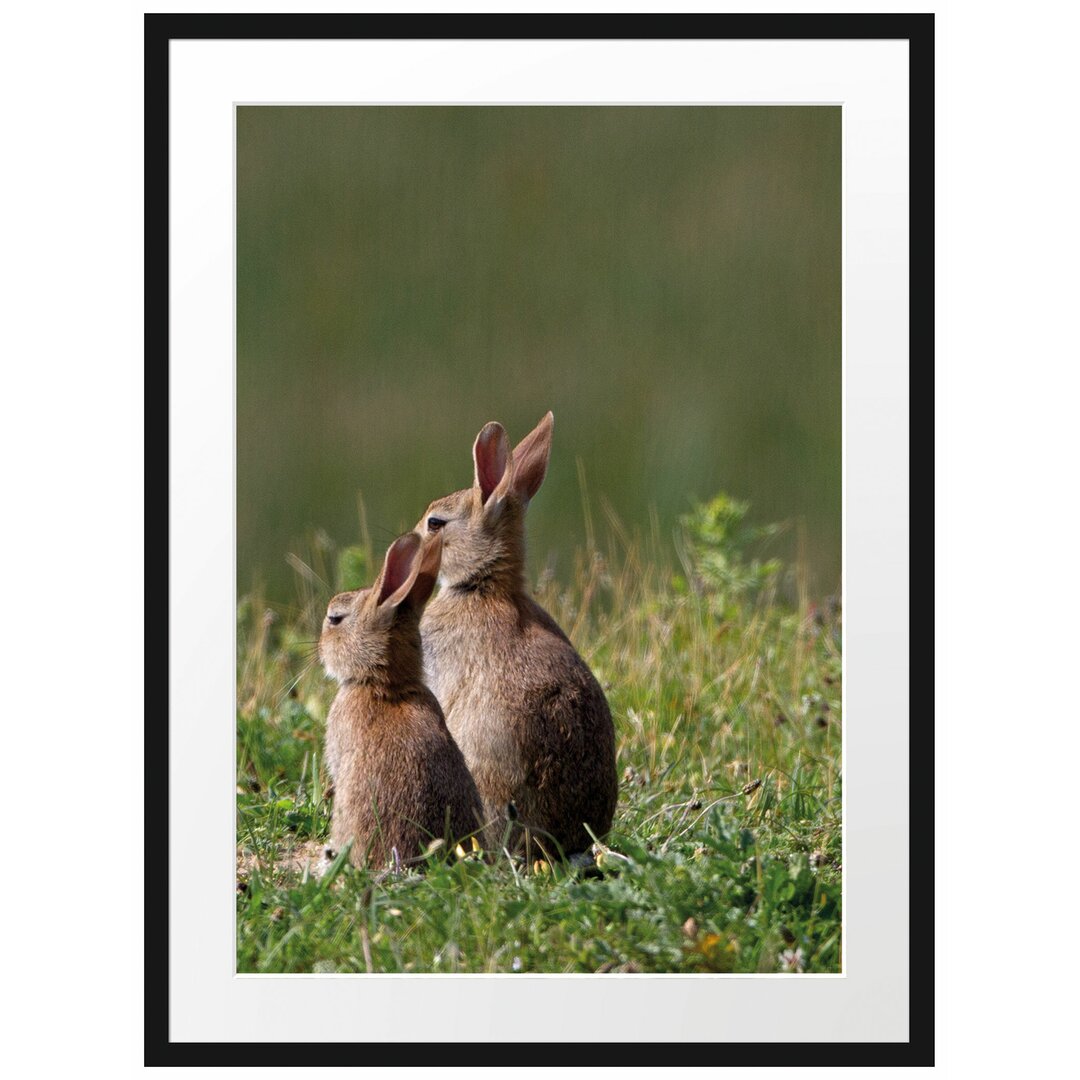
(386, 256)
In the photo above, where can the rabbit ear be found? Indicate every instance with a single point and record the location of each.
(399, 570)
(427, 572)
(491, 456)
(531, 458)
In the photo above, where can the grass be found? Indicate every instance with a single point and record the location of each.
(725, 853)
(666, 280)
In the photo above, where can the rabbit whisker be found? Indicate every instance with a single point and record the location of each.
(292, 686)
(382, 530)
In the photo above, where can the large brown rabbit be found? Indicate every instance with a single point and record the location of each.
(399, 778)
(525, 709)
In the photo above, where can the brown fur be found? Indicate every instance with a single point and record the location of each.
(399, 778)
(528, 714)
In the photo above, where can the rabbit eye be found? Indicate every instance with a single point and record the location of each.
(435, 523)
(333, 620)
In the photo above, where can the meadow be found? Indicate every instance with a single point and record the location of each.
(666, 280)
(724, 681)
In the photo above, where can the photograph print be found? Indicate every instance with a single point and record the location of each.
(539, 540)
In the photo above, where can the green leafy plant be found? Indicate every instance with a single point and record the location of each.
(717, 543)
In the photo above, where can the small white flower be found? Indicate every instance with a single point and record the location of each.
(516, 963)
(791, 960)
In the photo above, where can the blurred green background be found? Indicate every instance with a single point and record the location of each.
(666, 279)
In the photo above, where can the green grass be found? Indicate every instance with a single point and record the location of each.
(725, 853)
(666, 280)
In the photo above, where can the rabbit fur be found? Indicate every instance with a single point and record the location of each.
(530, 717)
(399, 778)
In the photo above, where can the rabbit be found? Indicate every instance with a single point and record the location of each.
(399, 778)
(528, 714)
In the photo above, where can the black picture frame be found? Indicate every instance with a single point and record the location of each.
(159, 31)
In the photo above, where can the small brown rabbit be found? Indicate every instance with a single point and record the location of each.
(399, 778)
(525, 709)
